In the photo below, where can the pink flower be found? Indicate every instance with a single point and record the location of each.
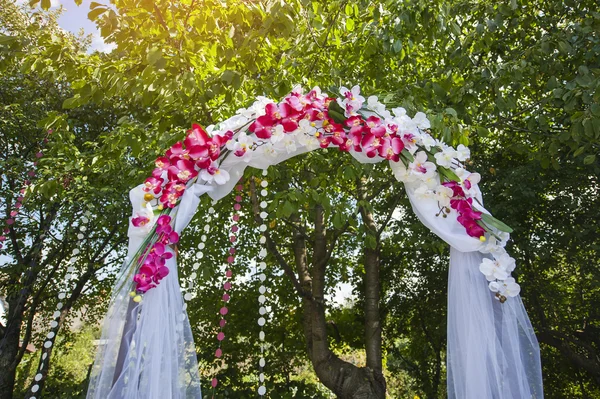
(140, 221)
(473, 229)
(182, 170)
(375, 125)
(165, 231)
(371, 144)
(171, 194)
(176, 151)
(196, 136)
(456, 189)
(391, 148)
(153, 184)
(144, 279)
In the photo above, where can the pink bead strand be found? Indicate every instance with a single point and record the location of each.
(228, 276)
(11, 219)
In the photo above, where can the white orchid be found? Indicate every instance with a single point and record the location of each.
(423, 192)
(399, 112)
(421, 167)
(508, 287)
(443, 195)
(463, 153)
(289, 143)
(242, 146)
(405, 124)
(445, 157)
(213, 173)
(420, 119)
(427, 141)
(277, 134)
(352, 100)
(493, 270)
(401, 173)
(308, 141)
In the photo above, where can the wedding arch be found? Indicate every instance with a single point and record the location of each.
(147, 349)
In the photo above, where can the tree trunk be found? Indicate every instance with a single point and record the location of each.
(344, 379)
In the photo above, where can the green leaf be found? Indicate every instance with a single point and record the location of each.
(154, 55)
(288, 209)
(46, 4)
(397, 47)
(492, 221)
(589, 159)
(72, 102)
(349, 24)
(95, 13)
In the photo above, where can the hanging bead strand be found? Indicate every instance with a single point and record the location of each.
(228, 276)
(54, 324)
(10, 220)
(262, 390)
(199, 255)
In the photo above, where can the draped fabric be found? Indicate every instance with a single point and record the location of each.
(492, 351)
(147, 350)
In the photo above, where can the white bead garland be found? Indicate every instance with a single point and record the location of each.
(261, 266)
(190, 291)
(61, 296)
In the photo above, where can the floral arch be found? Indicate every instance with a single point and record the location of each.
(148, 350)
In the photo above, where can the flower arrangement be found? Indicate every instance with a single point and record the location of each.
(304, 122)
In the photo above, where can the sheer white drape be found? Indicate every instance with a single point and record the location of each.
(146, 350)
(492, 350)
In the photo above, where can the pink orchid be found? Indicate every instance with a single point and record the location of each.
(391, 148)
(176, 151)
(171, 194)
(144, 279)
(473, 229)
(375, 126)
(153, 184)
(196, 136)
(182, 170)
(371, 144)
(140, 221)
(456, 188)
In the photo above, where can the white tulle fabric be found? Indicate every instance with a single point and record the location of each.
(146, 350)
(492, 350)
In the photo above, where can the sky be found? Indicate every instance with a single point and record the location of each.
(74, 18)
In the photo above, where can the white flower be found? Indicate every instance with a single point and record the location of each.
(352, 100)
(241, 146)
(233, 123)
(307, 127)
(421, 167)
(443, 195)
(423, 192)
(444, 158)
(289, 143)
(401, 173)
(508, 287)
(399, 112)
(405, 124)
(493, 270)
(463, 153)
(269, 150)
(421, 121)
(428, 141)
(220, 176)
(308, 141)
(277, 134)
